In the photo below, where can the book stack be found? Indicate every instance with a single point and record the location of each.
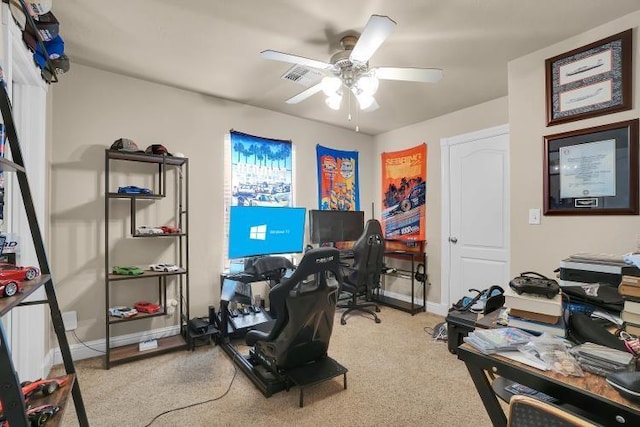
(491, 341)
(535, 313)
(630, 290)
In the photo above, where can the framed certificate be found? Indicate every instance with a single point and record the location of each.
(592, 171)
(590, 81)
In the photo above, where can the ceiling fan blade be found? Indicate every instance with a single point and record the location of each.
(425, 75)
(373, 107)
(305, 94)
(374, 34)
(294, 59)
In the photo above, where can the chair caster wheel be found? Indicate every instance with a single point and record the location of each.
(377, 309)
(378, 320)
(343, 322)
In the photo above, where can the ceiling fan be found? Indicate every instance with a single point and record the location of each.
(348, 70)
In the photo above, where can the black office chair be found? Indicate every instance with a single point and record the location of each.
(364, 274)
(304, 306)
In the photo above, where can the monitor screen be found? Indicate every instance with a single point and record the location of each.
(335, 226)
(261, 230)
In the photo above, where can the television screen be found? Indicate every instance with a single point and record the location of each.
(261, 230)
(335, 226)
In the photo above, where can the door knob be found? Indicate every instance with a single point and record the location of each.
(453, 240)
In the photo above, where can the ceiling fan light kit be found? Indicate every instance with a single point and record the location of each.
(349, 69)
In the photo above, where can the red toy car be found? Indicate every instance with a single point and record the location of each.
(9, 288)
(14, 272)
(44, 386)
(170, 230)
(146, 307)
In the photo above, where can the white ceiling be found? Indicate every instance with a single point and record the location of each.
(212, 46)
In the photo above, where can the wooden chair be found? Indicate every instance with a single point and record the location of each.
(526, 411)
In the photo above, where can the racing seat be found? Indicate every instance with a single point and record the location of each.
(304, 305)
(364, 274)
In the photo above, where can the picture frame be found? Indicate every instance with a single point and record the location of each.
(591, 80)
(592, 171)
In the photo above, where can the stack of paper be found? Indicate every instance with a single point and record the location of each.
(491, 341)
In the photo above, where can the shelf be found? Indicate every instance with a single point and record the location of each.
(131, 352)
(9, 166)
(146, 158)
(159, 235)
(145, 275)
(398, 304)
(28, 287)
(113, 320)
(59, 398)
(135, 196)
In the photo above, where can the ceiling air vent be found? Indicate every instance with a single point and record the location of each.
(303, 75)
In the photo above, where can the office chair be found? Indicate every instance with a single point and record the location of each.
(304, 305)
(364, 274)
(526, 411)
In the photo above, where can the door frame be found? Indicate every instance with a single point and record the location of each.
(445, 147)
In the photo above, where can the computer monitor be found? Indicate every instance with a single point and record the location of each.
(261, 230)
(335, 226)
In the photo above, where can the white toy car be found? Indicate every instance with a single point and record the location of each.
(143, 229)
(164, 267)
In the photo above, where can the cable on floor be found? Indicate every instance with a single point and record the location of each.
(88, 346)
(235, 372)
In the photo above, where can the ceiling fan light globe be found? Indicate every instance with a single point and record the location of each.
(334, 101)
(364, 100)
(368, 84)
(330, 85)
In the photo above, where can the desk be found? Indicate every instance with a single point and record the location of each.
(590, 393)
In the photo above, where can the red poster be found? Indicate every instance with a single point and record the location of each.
(404, 190)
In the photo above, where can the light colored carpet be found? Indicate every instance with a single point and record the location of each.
(398, 376)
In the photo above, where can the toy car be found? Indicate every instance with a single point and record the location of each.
(164, 267)
(146, 307)
(122, 311)
(9, 288)
(44, 386)
(127, 270)
(132, 189)
(39, 415)
(170, 230)
(143, 229)
(14, 272)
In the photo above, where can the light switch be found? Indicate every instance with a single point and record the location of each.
(534, 216)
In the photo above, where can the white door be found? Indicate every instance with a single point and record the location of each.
(475, 212)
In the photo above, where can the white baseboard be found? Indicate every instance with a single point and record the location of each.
(97, 348)
(432, 307)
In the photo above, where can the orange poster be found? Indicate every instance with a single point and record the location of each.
(404, 191)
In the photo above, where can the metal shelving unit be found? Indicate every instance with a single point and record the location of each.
(13, 404)
(178, 341)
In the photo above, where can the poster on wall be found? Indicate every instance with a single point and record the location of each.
(260, 171)
(337, 179)
(404, 191)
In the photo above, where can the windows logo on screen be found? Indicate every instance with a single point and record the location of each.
(258, 232)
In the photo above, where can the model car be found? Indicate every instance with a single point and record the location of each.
(9, 288)
(39, 415)
(146, 307)
(44, 386)
(122, 311)
(132, 189)
(14, 272)
(127, 270)
(170, 230)
(164, 267)
(143, 229)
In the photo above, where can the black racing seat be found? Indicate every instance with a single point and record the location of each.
(304, 306)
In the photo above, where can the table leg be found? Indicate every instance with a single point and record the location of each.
(345, 380)
(301, 397)
(491, 404)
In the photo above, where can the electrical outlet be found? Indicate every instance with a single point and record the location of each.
(70, 320)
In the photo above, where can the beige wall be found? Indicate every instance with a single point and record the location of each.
(542, 247)
(482, 116)
(92, 108)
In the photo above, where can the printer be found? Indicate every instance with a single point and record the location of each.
(595, 268)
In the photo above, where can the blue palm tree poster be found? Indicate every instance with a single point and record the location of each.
(337, 179)
(261, 171)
